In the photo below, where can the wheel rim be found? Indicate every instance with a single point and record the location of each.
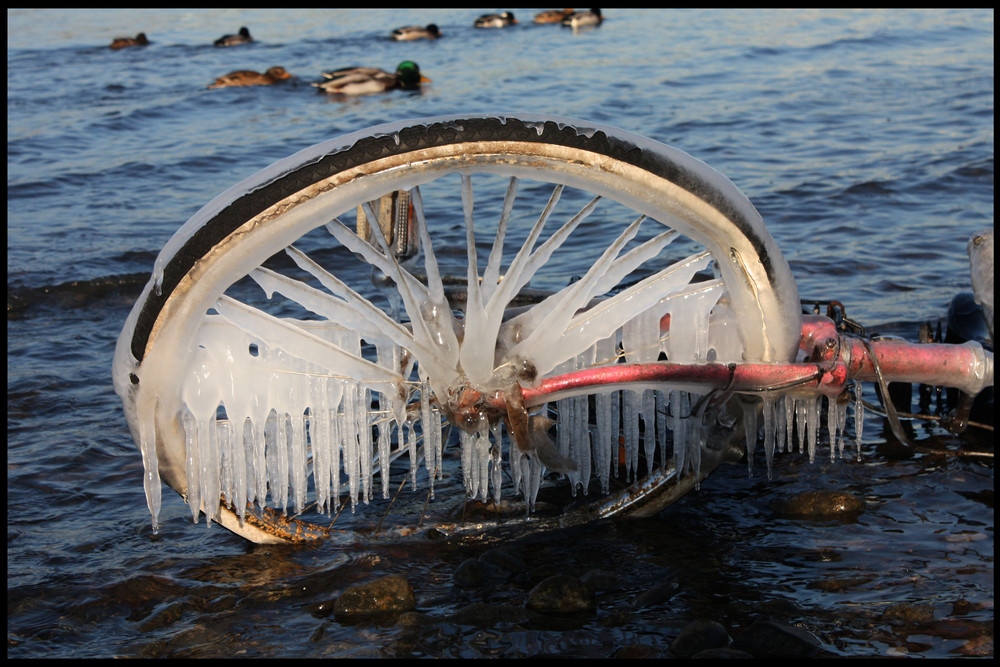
(754, 280)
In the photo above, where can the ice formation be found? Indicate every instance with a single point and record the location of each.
(275, 408)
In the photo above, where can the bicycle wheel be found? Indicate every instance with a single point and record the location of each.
(280, 351)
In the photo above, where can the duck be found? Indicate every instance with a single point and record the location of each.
(246, 77)
(364, 80)
(242, 37)
(411, 32)
(552, 15)
(580, 19)
(495, 20)
(123, 42)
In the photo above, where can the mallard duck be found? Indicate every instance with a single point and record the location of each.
(123, 42)
(363, 80)
(246, 77)
(580, 19)
(408, 33)
(552, 15)
(495, 20)
(243, 37)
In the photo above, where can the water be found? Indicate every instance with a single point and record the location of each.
(864, 138)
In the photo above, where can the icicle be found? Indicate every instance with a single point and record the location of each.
(780, 423)
(259, 411)
(813, 419)
(239, 445)
(750, 433)
(661, 421)
(649, 427)
(841, 421)
(384, 447)
(366, 452)
(581, 442)
(565, 411)
(192, 454)
(411, 446)
(336, 449)
(349, 430)
(769, 406)
(832, 425)
(605, 438)
(859, 418)
(789, 423)
(223, 437)
(678, 407)
(630, 425)
(298, 460)
(431, 430)
(319, 437)
(533, 480)
(482, 444)
(616, 429)
(496, 461)
(800, 422)
(468, 462)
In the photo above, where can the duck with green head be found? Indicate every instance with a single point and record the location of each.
(366, 80)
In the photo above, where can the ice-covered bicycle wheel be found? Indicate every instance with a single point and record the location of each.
(287, 345)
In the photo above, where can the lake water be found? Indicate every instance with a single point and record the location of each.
(865, 139)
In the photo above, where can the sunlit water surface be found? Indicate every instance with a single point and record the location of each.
(864, 138)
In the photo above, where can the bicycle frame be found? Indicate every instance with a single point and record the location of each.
(832, 360)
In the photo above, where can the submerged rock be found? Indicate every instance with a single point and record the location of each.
(561, 594)
(503, 559)
(391, 594)
(474, 573)
(905, 613)
(822, 504)
(656, 595)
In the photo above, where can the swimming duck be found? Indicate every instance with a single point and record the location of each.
(552, 15)
(580, 19)
(495, 20)
(364, 80)
(122, 42)
(408, 33)
(245, 77)
(243, 37)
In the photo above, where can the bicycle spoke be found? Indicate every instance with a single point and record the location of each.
(491, 276)
(301, 343)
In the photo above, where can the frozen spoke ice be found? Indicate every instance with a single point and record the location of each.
(302, 344)
(491, 276)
